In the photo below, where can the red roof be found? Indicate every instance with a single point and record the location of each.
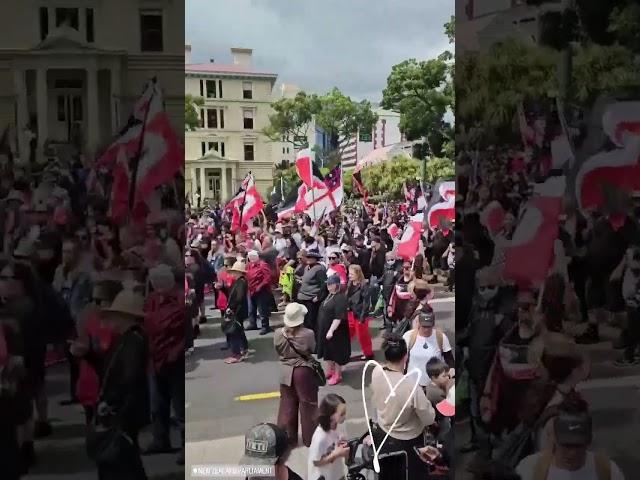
(219, 68)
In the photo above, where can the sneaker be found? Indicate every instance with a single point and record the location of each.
(203, 319)
(334, 380)
(70, 401)
(42, 429)
(589, 337)
(189, 351)
(266, 331)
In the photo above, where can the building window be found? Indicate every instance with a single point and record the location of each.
(220, 88)
(222, 149)
(213, 146)
(247, 90)
(221, 118)
(88, 13)
(247, 113)
(202, 118)
(211, 89)
(203, 148)
(287, 149)
(284, 150)
(151, 31)
(69, 16)
(77, 107)
(62, 108)
(248, 152)
(44, 22)
(212, 118)
(202, 88)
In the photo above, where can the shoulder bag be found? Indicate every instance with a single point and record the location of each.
(313, 363)
(107, 445)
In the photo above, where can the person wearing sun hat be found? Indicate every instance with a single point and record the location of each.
(124, 389)
(299, 386)
(236, 313)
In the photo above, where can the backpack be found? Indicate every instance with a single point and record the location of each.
(602, 464)
(439, 339)
(520, 442)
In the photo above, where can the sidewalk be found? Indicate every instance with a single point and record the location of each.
(62, 456)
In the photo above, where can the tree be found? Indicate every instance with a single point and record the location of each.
(192, 112)
(421, 91)
(388, 177)
(291, 119)
(450, 29)
(335, 113)
(341, 117)
(440, 168)
(624, 24)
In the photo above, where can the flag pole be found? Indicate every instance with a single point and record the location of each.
(136, 158)
(244, 199)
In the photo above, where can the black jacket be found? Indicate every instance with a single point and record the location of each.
(237, 302)
(359, 300)
(389, 278)
(364, 260)
(377, 262)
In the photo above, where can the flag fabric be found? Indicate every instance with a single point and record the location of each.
(357, 182)
(442, 209)
(119, 204)
(617, 169)
(306, 169)
(530, 254)
(148, 137)
(409, 243)
(287, 207)
(247, 183)
(323, 198)
(246, 211)
(492, 217)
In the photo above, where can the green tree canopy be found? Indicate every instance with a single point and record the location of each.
(389, 177)
(191, 112)
(291, 119)
(440, 168)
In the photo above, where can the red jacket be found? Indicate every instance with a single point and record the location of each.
(258, 276)
(164, 324)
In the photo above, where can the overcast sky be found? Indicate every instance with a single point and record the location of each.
(319, 44)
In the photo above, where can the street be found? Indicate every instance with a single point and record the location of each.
(224, 401)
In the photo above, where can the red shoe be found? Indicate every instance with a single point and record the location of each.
(334, 380)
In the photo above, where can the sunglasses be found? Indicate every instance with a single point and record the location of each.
(333, 258)
(486, 287)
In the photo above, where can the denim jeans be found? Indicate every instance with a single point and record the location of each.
(167, 391)
(260, 308)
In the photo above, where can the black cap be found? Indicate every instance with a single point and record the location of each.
(264, 444)
(427, 318)
(573, 429)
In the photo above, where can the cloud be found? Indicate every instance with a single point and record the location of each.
(350, 44)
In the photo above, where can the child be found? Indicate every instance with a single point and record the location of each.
(329, 448)
(287, 275)
(437, 392)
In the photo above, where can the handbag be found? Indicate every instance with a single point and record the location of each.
(313, 363)
(107, 445)
(229, 324)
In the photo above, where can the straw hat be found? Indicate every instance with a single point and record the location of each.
(238, 267)
(294, 315)
(128, 303)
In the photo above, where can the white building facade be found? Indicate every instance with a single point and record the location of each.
(70, 70)
(229, 142)
(384, 133)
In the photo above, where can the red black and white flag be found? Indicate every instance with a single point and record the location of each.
(306, 168)
(246, 204)
(409, 243)
(530, 255)
(442, 211)
(617, 169)
(148, 141)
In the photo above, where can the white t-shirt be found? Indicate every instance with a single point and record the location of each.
(527, 466)
(419, 356)
(322, 444)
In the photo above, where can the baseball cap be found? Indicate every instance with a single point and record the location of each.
(264, 444)
(427, 318)
(573, 429)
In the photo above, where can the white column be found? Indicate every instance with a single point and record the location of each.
(116, 82)
(42, 105)
(203, 183)
(224, 195)
(23, 115)
(92, 125)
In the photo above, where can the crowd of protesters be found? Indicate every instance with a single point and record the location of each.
(522, 341)
(330, 279)
(102, 297)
